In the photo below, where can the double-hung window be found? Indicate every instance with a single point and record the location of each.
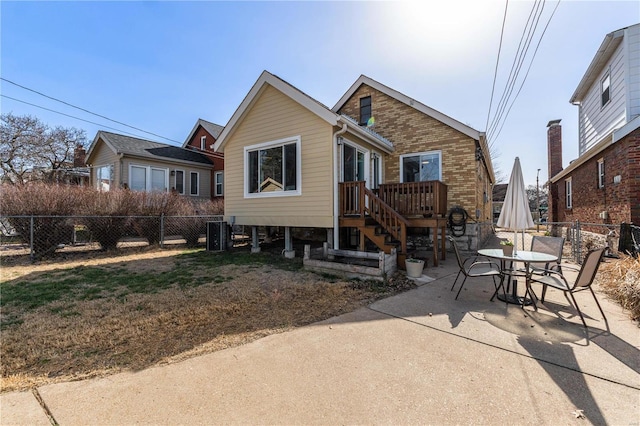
(569, 194)
(273, 168)
(203, 143)
(421, 166)
(365, 110)
(601, 173)
(605, 86)
(179, 181)
(148, 178)
(195, 183)
(219, 184)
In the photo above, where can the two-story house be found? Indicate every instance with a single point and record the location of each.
(374, 166)
(201, 139)
(603, 184)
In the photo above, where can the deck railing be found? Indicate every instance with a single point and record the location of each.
(358, 200)
(416, 198)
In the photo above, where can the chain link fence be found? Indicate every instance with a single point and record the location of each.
(45, 236)
(579, 237)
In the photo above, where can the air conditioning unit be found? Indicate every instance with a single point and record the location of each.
(603, 215)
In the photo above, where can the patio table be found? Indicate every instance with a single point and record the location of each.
(526, 257)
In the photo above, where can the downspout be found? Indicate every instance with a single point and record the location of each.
(336, 165)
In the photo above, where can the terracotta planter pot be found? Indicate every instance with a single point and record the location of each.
(507, 250)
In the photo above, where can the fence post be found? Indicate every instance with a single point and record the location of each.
(162, 230)
(31, 253)
(579, 242)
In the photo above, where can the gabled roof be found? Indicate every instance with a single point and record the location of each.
(213, 129)
(609, 139)
(142, 148)
(322, 111)
(363, 79)
(609, 45)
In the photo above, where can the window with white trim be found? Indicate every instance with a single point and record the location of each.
(148, 178)
(219, 184)
(605, 85)
(273, 168)
(194, 188)
(104, 177)
(601, 173)
(568, 192)
(179, 181)
(420, 167)
(203, 142)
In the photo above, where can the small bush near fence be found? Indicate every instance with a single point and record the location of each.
(47, 216)
(621, 281)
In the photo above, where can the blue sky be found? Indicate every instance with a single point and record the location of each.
(159, 66)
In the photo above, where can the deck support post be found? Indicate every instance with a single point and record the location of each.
(255, 243)
(289, 252)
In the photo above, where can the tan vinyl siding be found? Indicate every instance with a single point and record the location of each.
(205, 174)
(274, 116)
(102, 155)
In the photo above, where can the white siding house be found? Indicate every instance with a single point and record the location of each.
(608, 96)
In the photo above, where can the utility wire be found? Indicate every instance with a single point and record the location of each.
(86, 110)
(67, 115)
(529, 68)
(495, 72)
(523, 48)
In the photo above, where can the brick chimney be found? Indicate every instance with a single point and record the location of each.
(79, 155)
(554, 154)
(554, 146)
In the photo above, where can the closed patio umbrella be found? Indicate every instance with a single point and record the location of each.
(515, 213)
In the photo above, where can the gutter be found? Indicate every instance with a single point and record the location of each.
(336, 165)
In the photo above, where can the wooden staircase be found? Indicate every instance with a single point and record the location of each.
(361, 208)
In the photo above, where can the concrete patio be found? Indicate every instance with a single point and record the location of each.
(415, 358)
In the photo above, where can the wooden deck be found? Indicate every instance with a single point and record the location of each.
(384, 215)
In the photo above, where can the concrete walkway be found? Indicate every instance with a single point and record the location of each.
(415, 358)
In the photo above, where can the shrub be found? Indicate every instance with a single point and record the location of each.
(620, 279)
(192, 225)
(106, 214)
(47, 204)
(150, 206)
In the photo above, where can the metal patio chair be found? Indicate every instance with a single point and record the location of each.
(474, 267)
(586, 274)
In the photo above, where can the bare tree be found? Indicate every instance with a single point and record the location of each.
(30, 149)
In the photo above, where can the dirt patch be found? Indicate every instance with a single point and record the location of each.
(200, 307)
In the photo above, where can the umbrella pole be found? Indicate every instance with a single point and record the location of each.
(515, 243)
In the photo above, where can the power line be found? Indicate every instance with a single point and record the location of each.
(529, 68)
(523, 48)
(67, 115)
(495, 72)
(85, 110)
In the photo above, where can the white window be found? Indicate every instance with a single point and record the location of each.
(203, 142)
(273, 168)
(219, 183)
(179, 181)
(148, 178)
(601, 173)
(104, 177)
(569, 194)
(421, 166)
(606, 89)
(195, 183)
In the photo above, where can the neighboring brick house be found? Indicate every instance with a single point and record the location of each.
(602, 185)
(201, 138)
(421, 134)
